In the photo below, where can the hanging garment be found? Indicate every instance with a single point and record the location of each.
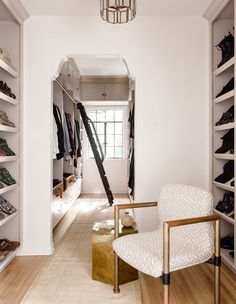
(131, 121)
(79, 145)
(60, 134)
(67, 144)
(71, 135)
(131, 174)
(55, 139)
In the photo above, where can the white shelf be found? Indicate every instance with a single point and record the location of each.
(8, 218)
(4, 159)
(8, 188)
(8, 69)
(8, 99)
(224, 67)
(224, 186)
(224, 216)
(224, 97)
(227, 126)
(228, 156)
(227, 258)
(8, 129)
(7, 259)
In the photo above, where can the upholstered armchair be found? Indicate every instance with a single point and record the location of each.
(184, 237)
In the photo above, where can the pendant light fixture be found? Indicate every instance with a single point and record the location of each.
(118, 11)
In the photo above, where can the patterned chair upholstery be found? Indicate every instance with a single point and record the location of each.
(189, 244)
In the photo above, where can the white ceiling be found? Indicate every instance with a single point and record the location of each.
(91, 7)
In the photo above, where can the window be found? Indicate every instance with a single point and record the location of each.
(109, 126)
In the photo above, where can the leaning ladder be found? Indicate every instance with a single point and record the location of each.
(99, 158)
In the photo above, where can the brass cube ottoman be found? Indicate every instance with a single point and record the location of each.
(103, 255)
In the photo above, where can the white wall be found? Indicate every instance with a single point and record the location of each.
(168, 56)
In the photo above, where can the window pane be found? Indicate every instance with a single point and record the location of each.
(118, 115)
(100, 115)
(90, 152)
(118, 140)
(109, 115)
(118, 152)
(118, 128)
(100, 128)
(101, 139)
(110, 128)
(110, 152)
(110, 140)
(92, 115)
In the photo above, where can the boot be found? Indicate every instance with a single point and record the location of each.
(228, 142)
(227, 49)
(228, 173)
(227, 88)
(227, 117)
(227, 204)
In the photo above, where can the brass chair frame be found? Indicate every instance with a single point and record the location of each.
(166, 247)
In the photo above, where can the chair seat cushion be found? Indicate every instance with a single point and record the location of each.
(144, 251)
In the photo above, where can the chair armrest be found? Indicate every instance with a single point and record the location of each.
(190, 221)
(119, 207)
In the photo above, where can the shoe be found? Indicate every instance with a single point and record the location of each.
(5, 121)
(6, 178)
(227, 117)
(2, 216)
(232, 183)
(226, 47)
(3, 254)
(227, 242)
(4, 148)
(227, 204)
(228, 142)
(227, 88)
(6, 207)
(231, 253)
(7, 245)
(228, 173)
(6, 90)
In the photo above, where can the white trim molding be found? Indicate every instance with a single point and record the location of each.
(214, 9)
(17, 10)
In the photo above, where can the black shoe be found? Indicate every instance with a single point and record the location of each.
(6, 90)
(232, 183)
(227, 204)
(231, 254)
(227, 117)
(227, 88)
(227, 49)
(227, 242)
(228, 142)
(228, 173)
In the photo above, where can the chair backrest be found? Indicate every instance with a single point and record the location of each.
(182, 201)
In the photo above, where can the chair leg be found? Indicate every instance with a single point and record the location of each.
(166, 299)
(116, 288)
(217, 263)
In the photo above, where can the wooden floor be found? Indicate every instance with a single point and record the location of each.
(191, 286)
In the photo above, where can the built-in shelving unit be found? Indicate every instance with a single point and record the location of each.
(11, 17)
(221, 26)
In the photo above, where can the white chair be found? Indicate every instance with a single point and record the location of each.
(165, 250)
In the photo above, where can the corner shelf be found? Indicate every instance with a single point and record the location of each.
(224, 97)
(227, 258)
(8, 218)
(225, 217)
(4, 159)
(4, 128)
(224, 67)
(227, 126)
(7, 259)
(8, 188)
(227, 156)
(224, 186)
(8, 69)
(8, 99)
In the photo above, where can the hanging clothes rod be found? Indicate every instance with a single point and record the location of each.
(65, 91)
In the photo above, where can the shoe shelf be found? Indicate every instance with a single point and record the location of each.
(227, 126)
(227, 156)
(8, 218)
(8, 188)
(4, 159)
(224, 97)
(8, 259)
(8, 69)
(4, 128)
(227, 258)
(224, 186)
(225, 217)
(8, 99)
(224, 67)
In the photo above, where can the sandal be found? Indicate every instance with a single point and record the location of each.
(6, 178)
(4, 148)
(3, 254)
(6, 207)
(6, 245)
